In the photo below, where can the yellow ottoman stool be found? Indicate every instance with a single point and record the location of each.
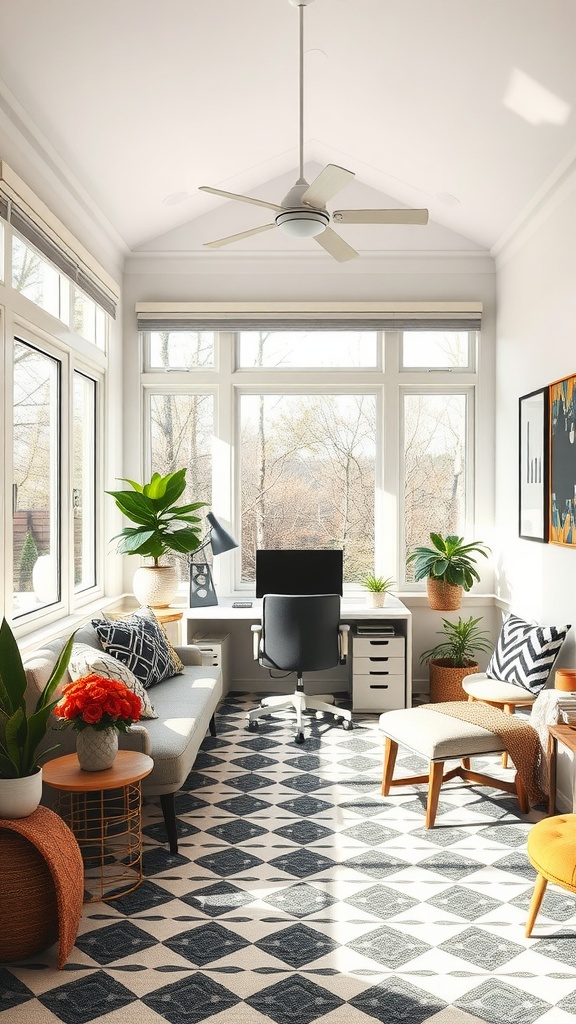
(552, 851)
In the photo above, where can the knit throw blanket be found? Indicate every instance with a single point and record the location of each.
(518, 738)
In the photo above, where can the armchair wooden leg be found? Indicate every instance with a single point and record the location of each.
(436, 776)
(535, 903)
(390, 751)
(523, 802)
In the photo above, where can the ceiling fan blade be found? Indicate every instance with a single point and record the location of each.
(335, 245)
(326, 185)
(242, 199)
(236, 238)
(380, 216)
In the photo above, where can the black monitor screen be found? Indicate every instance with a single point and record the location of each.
(298, 572)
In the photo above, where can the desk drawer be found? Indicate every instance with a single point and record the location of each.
(374, 646)
(385, 693)
(379, 665)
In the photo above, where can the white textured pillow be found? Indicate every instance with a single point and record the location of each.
(85, 660)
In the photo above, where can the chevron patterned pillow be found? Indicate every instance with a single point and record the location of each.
(141, 644)
(525, 653)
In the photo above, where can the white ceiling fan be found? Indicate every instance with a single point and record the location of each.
(302, 213)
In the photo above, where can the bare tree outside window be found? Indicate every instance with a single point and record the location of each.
(434, 466)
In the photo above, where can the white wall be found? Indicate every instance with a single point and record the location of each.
(536, 331)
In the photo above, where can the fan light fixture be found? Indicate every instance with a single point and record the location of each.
(303, 223)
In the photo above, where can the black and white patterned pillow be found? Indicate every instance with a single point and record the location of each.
(525, 653)
(84, 660)
(141, 644)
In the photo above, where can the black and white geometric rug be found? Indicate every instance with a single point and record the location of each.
(300, 895)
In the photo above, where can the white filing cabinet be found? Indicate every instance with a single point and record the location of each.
(378, 672)
(214, 648)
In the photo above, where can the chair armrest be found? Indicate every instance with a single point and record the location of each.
(189, 654)
(136, 737)
(256, 634)
(344, 630)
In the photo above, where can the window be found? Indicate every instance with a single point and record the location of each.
(307, 476)
(84, 481)
(312, 437)
(434, 350)
(315, 349)
(180, 350)
(181, 428)
(435, 461)
(89, 320)
(36, 479)
(39, 281)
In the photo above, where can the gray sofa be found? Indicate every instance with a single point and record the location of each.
(185, 705)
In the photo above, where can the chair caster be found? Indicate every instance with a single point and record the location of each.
(299, 737)
(253, 726)
(347, 724)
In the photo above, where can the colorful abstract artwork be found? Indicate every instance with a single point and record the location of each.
(533, 470)
(563, 461)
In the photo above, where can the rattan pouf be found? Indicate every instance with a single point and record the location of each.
(41, 886)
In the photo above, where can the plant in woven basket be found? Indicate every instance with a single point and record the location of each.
(22, 731)
(448, 566)
(454, 657)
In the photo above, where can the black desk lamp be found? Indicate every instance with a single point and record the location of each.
(202, 593)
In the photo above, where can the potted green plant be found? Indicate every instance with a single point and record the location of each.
(21, 730)
(162, 526)
(449, 568)
(454, 657)
(377, 588)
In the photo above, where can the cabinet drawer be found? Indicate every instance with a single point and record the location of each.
(372, 646)
(369, 694)
(379, 665)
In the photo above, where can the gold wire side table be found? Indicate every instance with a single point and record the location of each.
(104, 811)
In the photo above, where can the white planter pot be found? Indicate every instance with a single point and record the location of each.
(20, 797)
(376, 599)
(155, 585)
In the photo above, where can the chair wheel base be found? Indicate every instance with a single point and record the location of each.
(253, 726)
(299, 737)
(346, 724)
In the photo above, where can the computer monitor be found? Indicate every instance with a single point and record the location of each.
(299, 572)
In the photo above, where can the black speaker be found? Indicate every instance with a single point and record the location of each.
(202, 593)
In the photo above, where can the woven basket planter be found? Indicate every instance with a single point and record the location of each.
(442, 596)
(446, 681)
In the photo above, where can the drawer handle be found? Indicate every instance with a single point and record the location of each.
(379, 643)
(379, 659)
(378, 686)
(385, 673)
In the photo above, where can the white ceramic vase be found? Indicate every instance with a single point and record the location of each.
(20, 797)
(96, 748)
(376, 599)
(155, 585)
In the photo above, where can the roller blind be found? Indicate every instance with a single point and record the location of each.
(62, 260)
(390, 322)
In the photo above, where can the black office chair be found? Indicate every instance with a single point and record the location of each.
(300, 633)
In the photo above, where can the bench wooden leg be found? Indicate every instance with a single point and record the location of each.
(522, 795)
(169, 812)
(535, 903)
(390, 751)
(436, 776)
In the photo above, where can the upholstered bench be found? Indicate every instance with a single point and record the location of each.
(439, 737)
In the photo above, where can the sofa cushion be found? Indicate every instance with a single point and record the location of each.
(141, 644)
(525, 653)
(84, 660)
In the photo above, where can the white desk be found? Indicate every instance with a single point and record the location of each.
(246, 675)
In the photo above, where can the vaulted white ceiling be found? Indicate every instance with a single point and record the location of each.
(466, 107)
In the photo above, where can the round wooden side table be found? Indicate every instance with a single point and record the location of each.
(104, 811)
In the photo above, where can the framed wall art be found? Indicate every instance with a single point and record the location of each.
(533, 470)
(562, 399)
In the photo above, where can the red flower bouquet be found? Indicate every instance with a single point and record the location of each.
(98, 702)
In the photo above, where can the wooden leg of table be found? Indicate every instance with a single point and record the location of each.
(390, 751)
(436, 776)
(552, 766)
(535, 903)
